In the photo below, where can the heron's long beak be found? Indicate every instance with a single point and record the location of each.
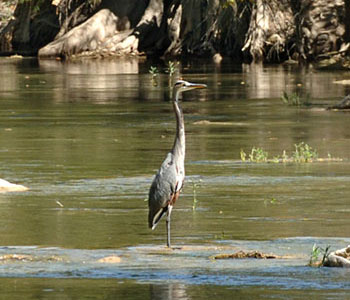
(197, 85)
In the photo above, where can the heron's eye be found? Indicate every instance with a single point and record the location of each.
(179, 84)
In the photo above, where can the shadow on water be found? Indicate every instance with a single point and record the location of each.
(88, 137)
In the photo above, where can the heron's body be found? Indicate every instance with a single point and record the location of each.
(169, 180)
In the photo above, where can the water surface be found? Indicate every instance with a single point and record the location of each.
(87, 138)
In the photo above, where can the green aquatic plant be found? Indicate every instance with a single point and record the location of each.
(220, 237)
(272, 201)
(255, 155)
(171, 68)
(243, 155)
(315, 253)
(195, 185)
(304, 153)
(292, 99)
(258, 155)
(153, 71)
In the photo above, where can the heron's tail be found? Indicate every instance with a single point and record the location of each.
(153, 219)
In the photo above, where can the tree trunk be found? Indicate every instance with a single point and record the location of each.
(265, 30)
(270, 30)
(106, 34)
(322, 29)
(86, 36)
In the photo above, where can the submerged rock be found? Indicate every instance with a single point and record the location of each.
(113, 259)
(6, 186)
(16, 257)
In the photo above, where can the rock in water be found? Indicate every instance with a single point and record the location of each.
(113, 259)
(6, 186)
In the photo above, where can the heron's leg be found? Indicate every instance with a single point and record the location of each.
(170, 207)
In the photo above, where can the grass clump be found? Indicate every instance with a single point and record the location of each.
(258, 155)
(303, 153)
(314, 260)
(255, 155)
(294, 99)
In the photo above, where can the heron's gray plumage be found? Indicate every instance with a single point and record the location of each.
(161, 191)
(169, 179)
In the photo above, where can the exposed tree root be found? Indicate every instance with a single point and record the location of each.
(86, 36)
(105, 34)
(269, 30)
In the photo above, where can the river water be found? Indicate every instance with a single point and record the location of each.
(87, 138)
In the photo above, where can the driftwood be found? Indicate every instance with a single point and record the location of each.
(339, 258)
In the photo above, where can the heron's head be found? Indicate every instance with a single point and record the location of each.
(182, 86)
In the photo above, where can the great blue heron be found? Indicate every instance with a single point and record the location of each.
(167, 184)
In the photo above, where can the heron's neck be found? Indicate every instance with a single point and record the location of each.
(179, 143)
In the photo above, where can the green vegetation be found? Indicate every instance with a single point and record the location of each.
(315, 253)
(195, 186)
(153, 71)
(220, 237)
(303, 153)
(294, 99)
(171, 68)
(272, 201)
(256, 155)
